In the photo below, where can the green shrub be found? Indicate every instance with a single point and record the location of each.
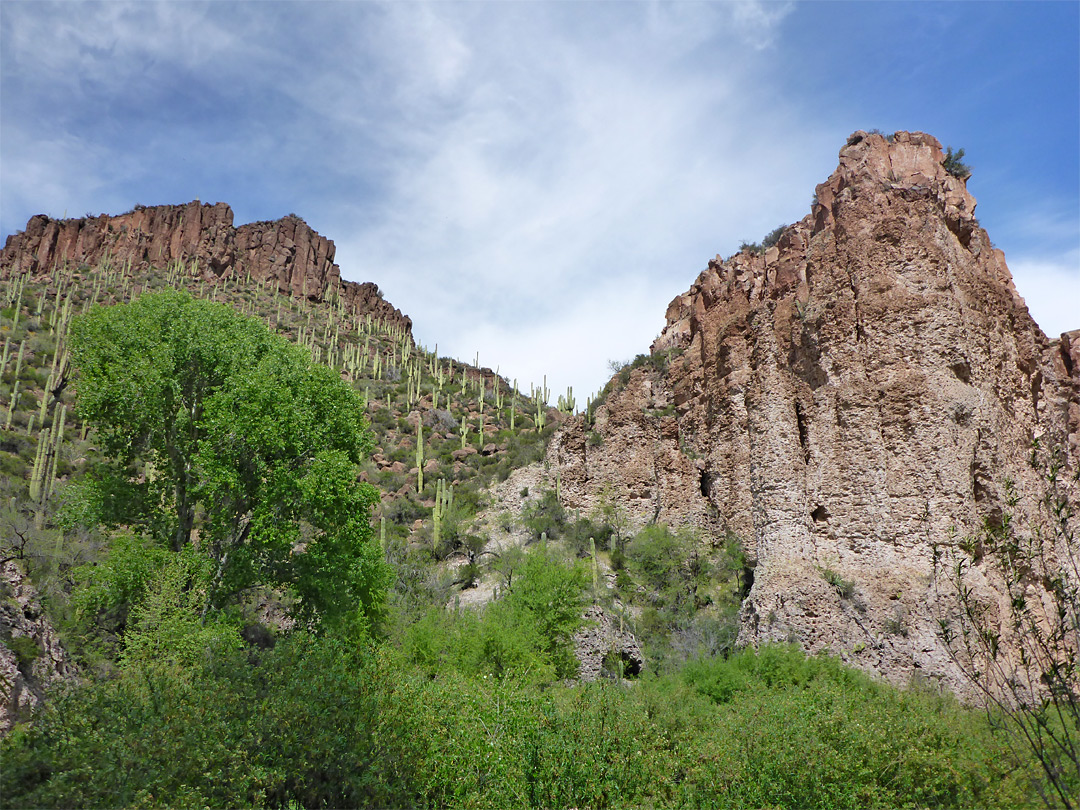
(954, 164)
(773, 236)
(26, 650)
(545, 517)
(526, 634)
(318, 723)
(845, 588)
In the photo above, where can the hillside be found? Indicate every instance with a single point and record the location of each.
(851, 439)
(476, 427)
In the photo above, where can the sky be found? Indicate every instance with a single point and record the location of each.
(534, 182)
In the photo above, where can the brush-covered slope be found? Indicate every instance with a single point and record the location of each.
(440, 426)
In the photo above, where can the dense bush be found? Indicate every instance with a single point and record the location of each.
(954, 164)
(316, 723)
(545, 517)
(525, 634)
(688, 592)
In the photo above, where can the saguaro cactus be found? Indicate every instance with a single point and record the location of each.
(419, 454)
(12, 404)
(595, 565)
(443, 500)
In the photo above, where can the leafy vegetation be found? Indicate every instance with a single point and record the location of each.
(315, 723)
(204, 412)
(954, 164)
(198, 522)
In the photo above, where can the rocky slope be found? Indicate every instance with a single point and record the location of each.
(30, 653)
(842, 401)
(284, 252)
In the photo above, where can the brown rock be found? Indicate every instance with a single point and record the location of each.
(30, 653)
(840, 404)
(287, 251)
(601, 637)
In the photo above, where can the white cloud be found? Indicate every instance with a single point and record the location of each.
(114, 43)
(1051, 288)
(573, 176)
(53, 175)
(756, 21)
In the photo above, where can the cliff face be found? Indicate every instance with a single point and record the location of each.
(285, 252)
(30, 653)
(842, 401)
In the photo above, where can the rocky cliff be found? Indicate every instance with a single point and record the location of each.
(843, 401)
(30, 653)
(285, 252)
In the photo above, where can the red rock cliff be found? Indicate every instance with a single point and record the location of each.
(842, 401)
(296, 258)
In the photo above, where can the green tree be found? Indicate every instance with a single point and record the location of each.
(225, 437)
(954, 164)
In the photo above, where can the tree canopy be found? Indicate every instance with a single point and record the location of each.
(225, 437)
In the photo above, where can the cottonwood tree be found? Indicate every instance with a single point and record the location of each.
(224, 437)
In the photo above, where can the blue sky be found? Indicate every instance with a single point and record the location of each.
(534, 182)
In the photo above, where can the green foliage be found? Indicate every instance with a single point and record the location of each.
(169, 624)
(954, 164)
(816, 734)
(106, 590)
(689, 593)
(773, 666)
(293, 727)
(317, 723)
(526, 634)
(583, 533)
(26, 650)
(213, 422)
(844, 588)
(773, 236)
(550, 594)
(545, 516)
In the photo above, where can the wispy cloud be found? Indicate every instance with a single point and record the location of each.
(571, 176)
(1051, 288)
(530, 181)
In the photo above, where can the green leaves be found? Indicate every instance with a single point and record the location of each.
(168, 626)
(954, 164)
(524, 635)
(218, 426)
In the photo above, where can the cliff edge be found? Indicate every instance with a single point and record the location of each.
(284, 252)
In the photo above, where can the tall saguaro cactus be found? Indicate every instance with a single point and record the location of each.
(443, 499)
(419, 455)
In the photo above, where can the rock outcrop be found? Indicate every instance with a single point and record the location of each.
(286, 252)
(606, 650)
(30, 653)
(843, 401)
